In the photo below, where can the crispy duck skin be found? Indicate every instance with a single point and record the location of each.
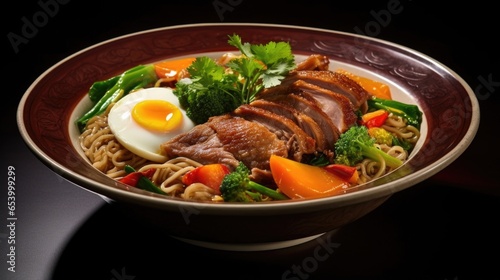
(313, 62)
(298, 142)
(337, 106)
(336, 82)
(309, 108)
(305, 122)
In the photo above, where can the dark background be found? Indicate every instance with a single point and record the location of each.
(443, 228)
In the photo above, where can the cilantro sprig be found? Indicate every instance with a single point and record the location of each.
(213, 90)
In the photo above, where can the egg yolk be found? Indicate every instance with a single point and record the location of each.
(157, 115)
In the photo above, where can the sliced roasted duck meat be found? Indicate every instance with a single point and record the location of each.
(202, 144)
(305, 122)
(227, 139)
(334, 81)
(298, 142)
(309, 108)
(337, 106)
(313, 62)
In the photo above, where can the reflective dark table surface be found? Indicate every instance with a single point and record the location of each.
(443, 228)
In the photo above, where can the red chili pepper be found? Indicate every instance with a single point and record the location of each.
(132, 178)
(375, 119)
(347, 173)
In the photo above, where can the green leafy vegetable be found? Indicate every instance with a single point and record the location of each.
(213, 89)
(103, 93)
(98, 89)
(407, 146)
(237, 187)
(262, 66)
(410, 112)
(319, 159)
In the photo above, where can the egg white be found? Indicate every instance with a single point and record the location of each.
(137, 139)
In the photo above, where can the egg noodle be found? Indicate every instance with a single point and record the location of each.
(103, 150)
(370, 169)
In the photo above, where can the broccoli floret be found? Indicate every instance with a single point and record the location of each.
(383, 136)
(237, 187)
(204, 101)
(355, 144)
(103, 93)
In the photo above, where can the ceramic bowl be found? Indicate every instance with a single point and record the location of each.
(46, 117)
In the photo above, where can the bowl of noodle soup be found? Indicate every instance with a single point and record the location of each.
(50, 107)
(100, 146)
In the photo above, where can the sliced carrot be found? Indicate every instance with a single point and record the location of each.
(171, 68)
(210, 175)
(299, 180)
(373, 87)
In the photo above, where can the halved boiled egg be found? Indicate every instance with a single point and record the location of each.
(142, 120)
